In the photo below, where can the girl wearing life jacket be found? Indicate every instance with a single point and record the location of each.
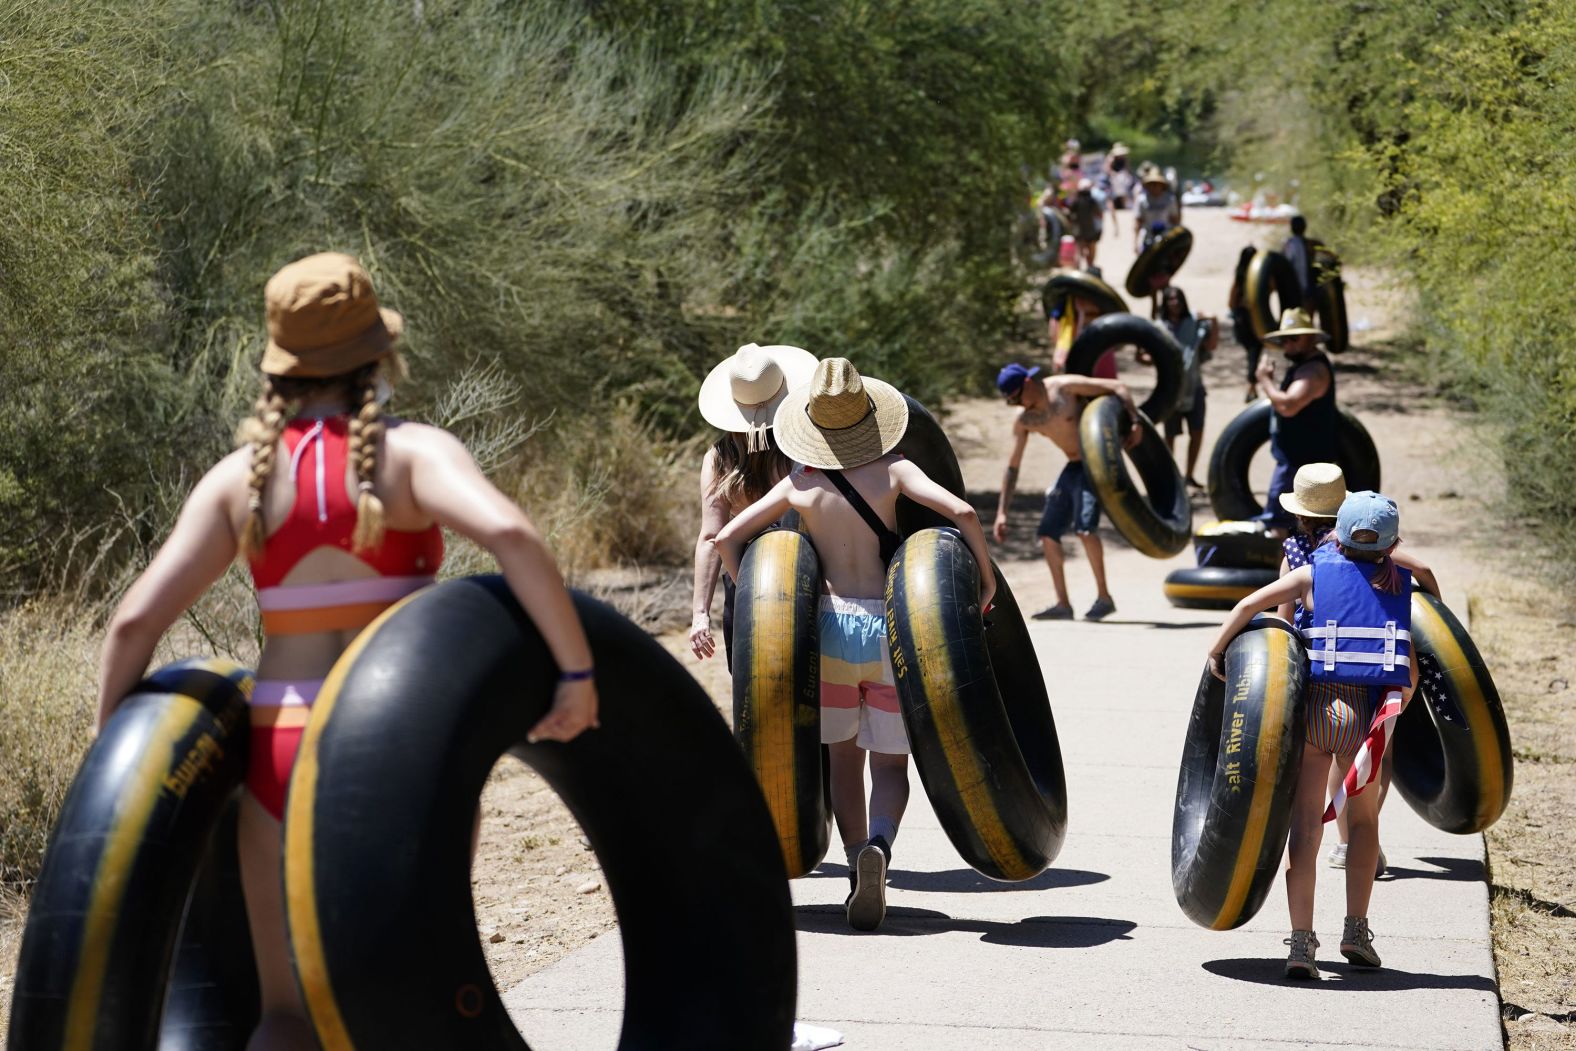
(1358, 603)
(1317, 492)
(337, 510)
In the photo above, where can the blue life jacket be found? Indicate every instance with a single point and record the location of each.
(1358, 634)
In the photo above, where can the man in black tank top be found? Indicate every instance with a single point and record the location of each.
(1302, 428)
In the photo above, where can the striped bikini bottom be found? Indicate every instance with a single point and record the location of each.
(1339, 715)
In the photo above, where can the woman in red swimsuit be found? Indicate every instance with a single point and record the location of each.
(337, 511)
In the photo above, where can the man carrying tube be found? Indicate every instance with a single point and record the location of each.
(1050, 406)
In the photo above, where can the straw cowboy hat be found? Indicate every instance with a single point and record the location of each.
(1316, 491)
(741, 393)
(324, 318)
(1149, 175)
(1295, 322)
(840, 419)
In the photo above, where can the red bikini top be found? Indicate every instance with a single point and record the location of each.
(316, 453)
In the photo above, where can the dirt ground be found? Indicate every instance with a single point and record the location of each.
(538, 889)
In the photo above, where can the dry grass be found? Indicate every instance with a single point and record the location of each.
(1533, 892)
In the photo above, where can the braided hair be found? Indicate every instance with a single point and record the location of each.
(261, 431)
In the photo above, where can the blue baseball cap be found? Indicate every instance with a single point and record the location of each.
(1367, 521)
(1012, 377)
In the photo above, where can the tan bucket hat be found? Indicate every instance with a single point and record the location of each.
(840, 419)
(1316, 491)
(741, 393)
(324, 318)
(1295, 322)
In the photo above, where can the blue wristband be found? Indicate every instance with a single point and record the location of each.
(577, 676)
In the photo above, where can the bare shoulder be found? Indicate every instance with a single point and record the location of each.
(407, 438)
(230, 476)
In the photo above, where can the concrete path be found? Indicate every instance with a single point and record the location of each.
(1095, 953)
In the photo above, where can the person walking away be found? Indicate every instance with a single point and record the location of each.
(1051, 408)
(1302, 426)
(1196, 336)
(842, 427)
(1120, 175)
(1049, 212)
(739, 397)
(1242, 319)
(337, 509)
(1317, 493)
(1086, 211)
(1066, 315)
(1360, 657)
(1070, 165)
(1298, 252)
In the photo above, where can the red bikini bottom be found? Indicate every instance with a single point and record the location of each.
(279, 713)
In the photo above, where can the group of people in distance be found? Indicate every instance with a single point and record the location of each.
(1075, 203)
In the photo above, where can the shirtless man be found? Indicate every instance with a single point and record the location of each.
(842, 427)
(1051, 407)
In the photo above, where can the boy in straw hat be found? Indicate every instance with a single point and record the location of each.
(1302, 427)
(842, 427)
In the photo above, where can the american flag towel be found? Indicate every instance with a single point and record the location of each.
(1370, 754)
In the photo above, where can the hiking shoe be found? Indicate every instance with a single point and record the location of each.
(1060, 612)
(1383, 866)
(1299, 962)
(1337, 856)
(1357, 943)
(1102, 608)
(867, 903)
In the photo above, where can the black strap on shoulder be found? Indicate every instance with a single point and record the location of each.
(888, 540)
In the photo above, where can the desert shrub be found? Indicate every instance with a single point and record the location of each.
(46, 714)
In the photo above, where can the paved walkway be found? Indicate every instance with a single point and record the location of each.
(1095, 953)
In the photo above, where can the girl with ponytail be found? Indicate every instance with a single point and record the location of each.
(338, 512)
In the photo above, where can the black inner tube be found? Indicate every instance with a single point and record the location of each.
(105, 917)
(1231, 494)
(378, 825)
(1240, 762)
(1116, 330)
(1165, 255)
(1158, 520)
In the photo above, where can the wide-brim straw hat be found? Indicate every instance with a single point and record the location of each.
(1295, 322)
(741, 393)
(1316, 491)
(840, 419)
(1119, 149)
(1153, 176)
(324, 319)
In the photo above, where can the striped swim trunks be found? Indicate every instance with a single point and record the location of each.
(1339, 715)
(858, 698)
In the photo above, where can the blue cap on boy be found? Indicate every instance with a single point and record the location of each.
(1367, 521)
(1012, 377)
